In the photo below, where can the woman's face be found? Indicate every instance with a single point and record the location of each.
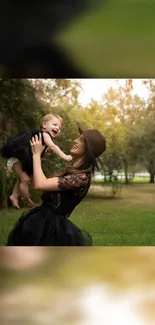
(79, 147)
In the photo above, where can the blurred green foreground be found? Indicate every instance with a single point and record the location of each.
(116, 40)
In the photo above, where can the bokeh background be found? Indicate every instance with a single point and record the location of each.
(84, 286)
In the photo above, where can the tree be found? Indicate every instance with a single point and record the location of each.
(19, 106)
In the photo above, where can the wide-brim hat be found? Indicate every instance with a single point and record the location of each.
(95, 143)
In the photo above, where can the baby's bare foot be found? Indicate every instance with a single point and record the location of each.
(31, 204)
(14, 201)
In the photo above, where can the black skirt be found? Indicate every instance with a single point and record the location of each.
(41, 226)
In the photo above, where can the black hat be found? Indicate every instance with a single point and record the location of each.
(96, 144)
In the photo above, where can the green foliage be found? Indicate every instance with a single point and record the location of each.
(18, 106)
(7, 182)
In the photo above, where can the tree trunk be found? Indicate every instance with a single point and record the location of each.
(126, 171)
(105, 178)
(110, 172)
(151, 170)
(151, 177)
(110, 177)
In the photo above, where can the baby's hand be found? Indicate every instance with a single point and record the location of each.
(68, 158)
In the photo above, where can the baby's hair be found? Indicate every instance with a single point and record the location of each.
(49, 117)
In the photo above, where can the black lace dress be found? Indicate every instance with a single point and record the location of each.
(19, 147)
(48, 224)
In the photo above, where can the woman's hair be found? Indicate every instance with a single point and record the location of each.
(71, 170)
(49, 117)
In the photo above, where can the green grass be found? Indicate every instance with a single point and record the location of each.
(126, 220)
(140, 180)
(135, 180)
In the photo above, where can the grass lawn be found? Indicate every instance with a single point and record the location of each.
(126, 220)
(135, 180)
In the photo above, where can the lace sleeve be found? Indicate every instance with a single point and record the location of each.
(71, 182)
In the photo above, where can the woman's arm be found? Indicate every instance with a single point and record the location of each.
(54, 148)
(61, 183)
(40, 182)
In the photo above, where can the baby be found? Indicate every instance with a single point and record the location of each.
(18, 152)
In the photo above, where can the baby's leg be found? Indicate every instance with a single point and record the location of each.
(14, 196)
(23, 183)
(24, 190)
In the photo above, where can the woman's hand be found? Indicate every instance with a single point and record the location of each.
(36, 145)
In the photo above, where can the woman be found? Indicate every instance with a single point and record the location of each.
(48, 224)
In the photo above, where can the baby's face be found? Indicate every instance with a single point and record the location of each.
(53, 126)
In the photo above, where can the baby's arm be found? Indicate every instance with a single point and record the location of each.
(54, 148)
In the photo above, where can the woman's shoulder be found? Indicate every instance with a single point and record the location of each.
(84, 176)
(73, 181)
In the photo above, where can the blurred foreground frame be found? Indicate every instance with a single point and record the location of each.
(97, 285)
(28, 37)
(82, 39)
